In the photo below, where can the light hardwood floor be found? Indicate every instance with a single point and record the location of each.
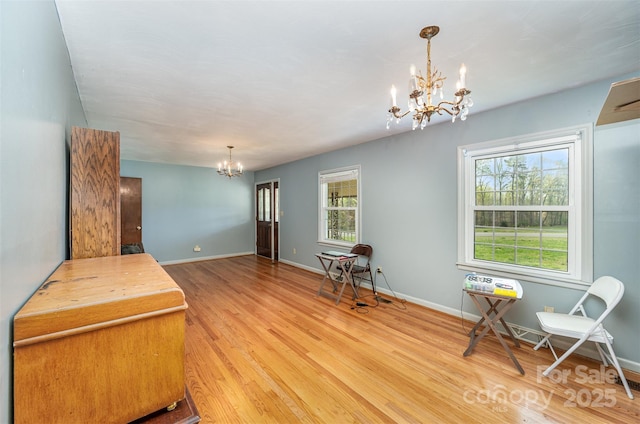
(262, 347)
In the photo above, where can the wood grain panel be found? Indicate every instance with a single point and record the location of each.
(114, 375)
(95, 193)
(262, 347)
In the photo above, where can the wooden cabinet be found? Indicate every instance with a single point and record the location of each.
(101, 341)
(95, 193)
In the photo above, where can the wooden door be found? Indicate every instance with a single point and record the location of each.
(131, 210)
(267, 214)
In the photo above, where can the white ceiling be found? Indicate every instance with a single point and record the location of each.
(284, 80)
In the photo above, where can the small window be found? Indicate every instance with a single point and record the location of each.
(339, 214)
(525, 207)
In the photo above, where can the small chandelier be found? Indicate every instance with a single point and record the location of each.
(230, 169)
(422, 90)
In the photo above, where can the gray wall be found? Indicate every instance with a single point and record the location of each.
(185, 206)
(617, 226)
(39, 105)
(409, 206)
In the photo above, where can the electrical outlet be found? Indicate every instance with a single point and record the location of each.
(379, 270)
(549, 309)
(294, 251)
(196, 248)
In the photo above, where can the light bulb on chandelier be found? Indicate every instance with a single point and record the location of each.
(422, 90)
(230, 169)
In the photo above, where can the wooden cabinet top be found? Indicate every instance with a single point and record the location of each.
(86, 293)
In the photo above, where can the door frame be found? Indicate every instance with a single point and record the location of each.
(274, 208)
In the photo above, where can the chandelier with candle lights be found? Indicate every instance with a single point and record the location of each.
(230, 169)
(422, 90)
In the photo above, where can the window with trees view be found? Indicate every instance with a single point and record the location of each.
(525, 206)
(339, 208)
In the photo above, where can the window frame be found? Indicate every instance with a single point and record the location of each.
(339, 174)
(580, 230)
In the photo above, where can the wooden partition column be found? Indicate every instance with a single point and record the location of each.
(95, 193)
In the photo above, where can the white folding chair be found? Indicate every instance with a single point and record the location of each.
(583, 328)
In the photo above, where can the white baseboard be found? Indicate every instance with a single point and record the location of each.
(205, 258)
(588, 349)
(305, 267)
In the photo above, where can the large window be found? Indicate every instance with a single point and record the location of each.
(525, 207)
(339, 215)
